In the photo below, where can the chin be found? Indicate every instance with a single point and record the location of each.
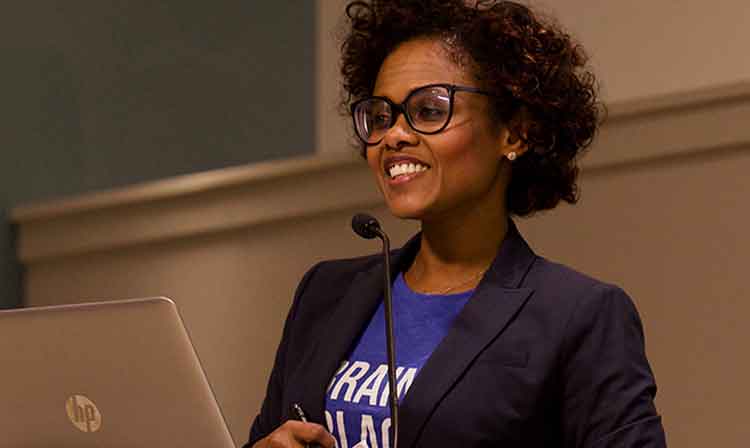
(414, 217)
(413, 204)
(405, 212)
(418, 212)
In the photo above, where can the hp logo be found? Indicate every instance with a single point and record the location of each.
(83, 413)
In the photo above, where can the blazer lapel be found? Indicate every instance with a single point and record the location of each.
(348, 319)
(494, 304)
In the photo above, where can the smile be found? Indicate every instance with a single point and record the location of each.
(404, 169)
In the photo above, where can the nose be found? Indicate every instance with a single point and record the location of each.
(400, 134)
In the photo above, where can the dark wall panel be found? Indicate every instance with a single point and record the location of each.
(104, 94)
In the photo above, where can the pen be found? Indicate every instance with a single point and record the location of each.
(299, 412)
(297, 409)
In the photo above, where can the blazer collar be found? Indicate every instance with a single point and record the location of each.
(496, 301)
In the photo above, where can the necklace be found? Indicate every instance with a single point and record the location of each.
(452, 287)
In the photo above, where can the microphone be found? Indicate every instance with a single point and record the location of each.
(368, 227)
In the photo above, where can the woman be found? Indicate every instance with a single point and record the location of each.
(467, 114)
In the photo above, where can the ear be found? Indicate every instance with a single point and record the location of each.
(513, 141)
(512, 145)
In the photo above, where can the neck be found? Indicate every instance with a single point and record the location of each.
(453, 250)
(460, 246)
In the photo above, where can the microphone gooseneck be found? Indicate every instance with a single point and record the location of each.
(368, 227)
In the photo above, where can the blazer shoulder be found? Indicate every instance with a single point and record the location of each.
(565, 282)
(343, 270)
(544, 270)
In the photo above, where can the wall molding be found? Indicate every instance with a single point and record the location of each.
(656, 127)
(637, 131)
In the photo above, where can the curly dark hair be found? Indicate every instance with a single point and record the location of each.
(546, 94)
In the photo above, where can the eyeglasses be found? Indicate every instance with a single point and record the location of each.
(427, 109)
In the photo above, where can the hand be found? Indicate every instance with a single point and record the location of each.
(296, 434)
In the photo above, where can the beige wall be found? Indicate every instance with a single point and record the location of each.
(642, 48)
(332, 130)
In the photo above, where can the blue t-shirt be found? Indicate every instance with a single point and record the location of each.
(357, 409)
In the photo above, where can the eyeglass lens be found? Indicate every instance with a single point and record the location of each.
(427, 109)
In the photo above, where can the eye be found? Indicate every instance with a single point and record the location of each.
(381, 120)
(428, 112)
(429, 106)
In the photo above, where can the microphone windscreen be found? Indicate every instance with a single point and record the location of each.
(365, 225)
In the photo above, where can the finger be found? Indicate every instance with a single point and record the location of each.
(311, 433)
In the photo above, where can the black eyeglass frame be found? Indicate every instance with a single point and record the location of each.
(399, 109)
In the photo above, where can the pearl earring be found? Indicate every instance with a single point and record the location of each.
(511, 156)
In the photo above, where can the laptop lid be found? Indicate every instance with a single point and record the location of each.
(108, 374)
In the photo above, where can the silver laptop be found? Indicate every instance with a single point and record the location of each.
(108, 374)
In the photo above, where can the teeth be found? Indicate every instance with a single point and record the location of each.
(406, 168)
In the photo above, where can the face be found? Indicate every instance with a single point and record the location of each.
(457, 171)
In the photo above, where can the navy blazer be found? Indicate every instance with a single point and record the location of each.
(540, 356)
